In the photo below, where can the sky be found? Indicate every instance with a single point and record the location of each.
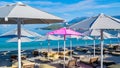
(69, 9)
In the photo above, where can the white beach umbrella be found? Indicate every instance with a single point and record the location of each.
(96, 33)
(23, 39)
(20, 13)
(49, 37)
(52, 37)
(24, 32)
(72, 36)
(86, 38)
(118, 35)
(99, 22)
(58, 38)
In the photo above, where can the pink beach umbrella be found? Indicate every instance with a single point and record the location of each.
(64, 31)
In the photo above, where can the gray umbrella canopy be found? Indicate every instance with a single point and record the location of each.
(24, 32)
(99, 22)
(87, 38)
(28, 15)
(23, 39)
(96, 33)
(20, 13)
(48, 37)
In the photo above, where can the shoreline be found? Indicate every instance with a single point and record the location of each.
(5, 55)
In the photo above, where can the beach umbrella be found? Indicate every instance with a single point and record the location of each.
(52, 37)
(86, 38)
(71, 37)
(118, 35)
(96, 33)
(49, 37)
(23, 39)
(40, 39)
(20, 13)
(64, 31)
(74, 36)
(24, 32)
(90, 33)
(100, 22)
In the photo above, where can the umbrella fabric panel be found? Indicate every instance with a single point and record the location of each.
(29, 14)
(98, 22)
(24, 32)
(23, 39)
(64, 31)
(85, 24)
(105, 22)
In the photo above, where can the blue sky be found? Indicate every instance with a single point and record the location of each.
(69, 9)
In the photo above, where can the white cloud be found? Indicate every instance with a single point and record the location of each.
(69, 7)
(64, 10)
(107, 5)
(89, 13)
(58, 7)
(82, 5)
(42, 3)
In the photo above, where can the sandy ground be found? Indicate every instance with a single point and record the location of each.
(5, 59)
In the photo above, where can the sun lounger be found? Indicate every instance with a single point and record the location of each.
(13, 58)
(23, 57)
(46, 66)
(54, 57)
(35, 53)
(15, 65)
(89, 60)
(116, 53)
(62, 52)
(28, 64)
(25, 64)
(49, 54)
(44, 59)
(70, 64)
(62, 57)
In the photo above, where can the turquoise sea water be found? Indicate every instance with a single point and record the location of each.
(5, 46)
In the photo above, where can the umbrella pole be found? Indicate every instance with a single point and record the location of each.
(102, 42)
(41, 44)
(48, 47)
(118, 41)
(64, 49)
(58, 46)
(19, 42)
(71, 47)
(94, 46)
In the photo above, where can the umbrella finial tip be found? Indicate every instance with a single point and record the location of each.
(101, 13)
(19, 3)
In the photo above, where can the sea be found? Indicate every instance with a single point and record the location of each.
(7, 46)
